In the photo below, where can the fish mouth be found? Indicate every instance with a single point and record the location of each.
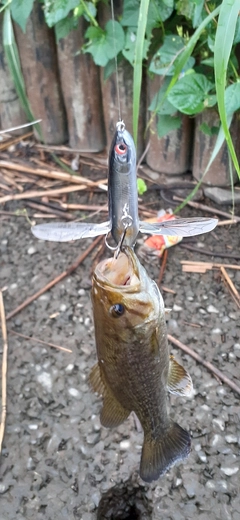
(121, 271)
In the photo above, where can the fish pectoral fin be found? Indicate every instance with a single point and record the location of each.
(160, 453)
(179, 380)
(112, 413)
(96, 380)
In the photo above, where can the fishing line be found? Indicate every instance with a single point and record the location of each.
(116, 64)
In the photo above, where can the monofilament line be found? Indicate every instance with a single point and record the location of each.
(116, 64)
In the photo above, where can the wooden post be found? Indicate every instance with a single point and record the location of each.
(169, 154)
(81, 89)
(11, 112)
(38, 58)
(109, 90)
(218, 173)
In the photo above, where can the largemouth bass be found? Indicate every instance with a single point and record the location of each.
(123, 223)
(134, 370)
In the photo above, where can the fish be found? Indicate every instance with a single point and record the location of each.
(123, 223)
(134, 371)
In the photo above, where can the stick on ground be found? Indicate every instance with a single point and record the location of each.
(4, 370)
(206, 364)
(55, 280)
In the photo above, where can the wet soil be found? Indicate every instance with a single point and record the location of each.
(57, 461)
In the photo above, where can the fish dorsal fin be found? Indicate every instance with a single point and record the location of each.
(112, 413)
(179, 380)
(96, 380)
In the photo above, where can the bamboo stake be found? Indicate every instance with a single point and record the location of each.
(53, 282)
(52, 174)
(189, 266)
(206, 364)
(4, 370)
(41, 193)
(39, 341)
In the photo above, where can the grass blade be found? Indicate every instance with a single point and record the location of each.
(14, 65)
(223, 44)
(138, 64)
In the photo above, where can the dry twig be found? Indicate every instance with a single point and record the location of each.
(203, 207)
(4, 370)
(58, 278)
(162, 267)
(231, 287)
(39, 341)
(208, 253)
(206, 364)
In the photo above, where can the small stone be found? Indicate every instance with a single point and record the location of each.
(233, 316)
(87, 322)
(31, 250)
(81, 292)
(3, 488)
(222, 196)
(93, 438)
(177, 308)
(45, 380)
(202, 456)
(231, 439)
(212, 309)
(69, 368)
(229, 471)
(125, 445)
(33, 426)
(63, 307)
(74, 392)
(220, 423)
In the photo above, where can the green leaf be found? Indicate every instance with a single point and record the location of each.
(158, 12)
(130, 13)
(105, 45)
(91, 11)
(166, 108)
(190, 93)
(232, 98)
(56, 10)
(209, 130)
(130, 45)
(166, 58)
(141, 186)
(237, 32)
(64, 27)
(20, 11)
(166, 124)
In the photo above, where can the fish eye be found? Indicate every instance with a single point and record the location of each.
(117, 310)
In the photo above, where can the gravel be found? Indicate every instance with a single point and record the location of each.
(57, 461)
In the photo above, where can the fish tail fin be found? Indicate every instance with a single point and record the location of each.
(159, 454)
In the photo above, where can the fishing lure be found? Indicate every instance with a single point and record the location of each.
(123, 224)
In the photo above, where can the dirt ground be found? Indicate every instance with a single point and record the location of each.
(57, 461)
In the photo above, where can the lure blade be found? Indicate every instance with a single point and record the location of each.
(184, 227)
(64, 232)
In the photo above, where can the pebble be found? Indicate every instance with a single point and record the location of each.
(216, 439)
(63, 307)
(33, 426)
(74, 392)
(220, 486)
(230, 471)
(69, 368)
(212, 309)
(45, 380)
(231, 439)
(177, 308)
(3, 488)
(93, 438)
(233, 316)
(31, 250)
(125, 445)
(202, 456)
(81, 292)
(220, 423)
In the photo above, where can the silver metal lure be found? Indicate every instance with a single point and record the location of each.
(123, 222)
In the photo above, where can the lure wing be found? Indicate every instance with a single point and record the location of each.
(64, 232)
(184, 227)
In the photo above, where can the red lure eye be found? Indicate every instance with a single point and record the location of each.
(120, 149)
